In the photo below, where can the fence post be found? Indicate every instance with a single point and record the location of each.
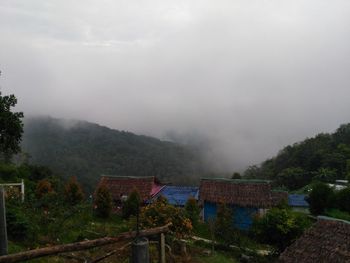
(22, 190)
(3, 231)
(161, 248)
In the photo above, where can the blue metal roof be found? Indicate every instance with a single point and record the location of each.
(178, 195)
(297, 200)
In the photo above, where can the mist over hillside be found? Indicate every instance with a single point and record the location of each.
(88, 150)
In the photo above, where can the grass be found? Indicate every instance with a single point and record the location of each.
(338, 214)
(217, 257)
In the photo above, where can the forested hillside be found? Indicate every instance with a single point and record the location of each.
(87, 150)
(325, 157)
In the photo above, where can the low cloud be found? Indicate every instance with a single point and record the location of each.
(242, 79)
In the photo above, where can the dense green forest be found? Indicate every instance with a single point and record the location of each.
(325, 157)
(87, 150)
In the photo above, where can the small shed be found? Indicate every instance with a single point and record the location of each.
(246, 198)
(328, 240)
(178, 195)
(298, 202)
(121, 186)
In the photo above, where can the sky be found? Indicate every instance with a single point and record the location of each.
(240, 78)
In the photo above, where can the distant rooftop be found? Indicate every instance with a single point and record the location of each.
(297, 200)
(178, 195)
(237, 181)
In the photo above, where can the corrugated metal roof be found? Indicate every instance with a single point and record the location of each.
(297, 200)
(178, 195)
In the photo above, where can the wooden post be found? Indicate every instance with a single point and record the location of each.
(3, 231)
(22, 190)
(161, 248)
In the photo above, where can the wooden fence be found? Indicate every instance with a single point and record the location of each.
(54, 250)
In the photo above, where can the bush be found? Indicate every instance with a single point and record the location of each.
(192, 211)
(343, 199)
(279, 227)
(18, 225)
(224, 221)
(103, 202)
(161, 213)
(43, 188)
(320, 198)
(132, 204)
(73, 191)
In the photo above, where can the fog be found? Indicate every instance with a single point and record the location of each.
(241, 79)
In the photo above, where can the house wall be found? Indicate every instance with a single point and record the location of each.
(242, 216)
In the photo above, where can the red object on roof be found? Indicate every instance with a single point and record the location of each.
(123, 185)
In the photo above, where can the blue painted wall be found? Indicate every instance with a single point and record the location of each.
(242, 216)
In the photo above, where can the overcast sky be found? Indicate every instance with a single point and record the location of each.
(246, 76)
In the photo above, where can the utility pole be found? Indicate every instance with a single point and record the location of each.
(3, 231)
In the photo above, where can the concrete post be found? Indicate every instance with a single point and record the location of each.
(3, 230)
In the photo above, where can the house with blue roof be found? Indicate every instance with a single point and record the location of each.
(178, 195)
(298, 203)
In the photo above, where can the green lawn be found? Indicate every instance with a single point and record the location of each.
(217, 257)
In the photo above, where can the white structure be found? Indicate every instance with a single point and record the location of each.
(21, 184)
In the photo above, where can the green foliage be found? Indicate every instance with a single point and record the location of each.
(103, 202)
(192, 211)
(87, 150)
(73, 191)
(279, 227)
(160, 213)
(224, 221)
(132, 204)
(326, 157)
(18, 224)
(320, 198)
(11, 128)
(293, 178)
(336, 213)
(342, 198)
(236, 175)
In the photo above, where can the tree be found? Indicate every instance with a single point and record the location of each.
(279, 227)
(160, 213)
(320, 198)
(11, 128)
(103, 202)
(236, 175)
(73, 191)
(132, 204)
(293, 178)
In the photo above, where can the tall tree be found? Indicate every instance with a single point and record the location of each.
(11, 127)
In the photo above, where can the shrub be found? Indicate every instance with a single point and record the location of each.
(132, 204)
(18, 225)
(279, 227)
(43, 188)
(343, 199)
(73, 191)
(103, 202)
(192, 211)
(320, 198)
(161, 213)
(224, 221)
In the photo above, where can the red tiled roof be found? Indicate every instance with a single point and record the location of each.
(122, 185)
(325, 241)
(245, 193)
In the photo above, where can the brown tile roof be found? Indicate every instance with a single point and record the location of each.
(246, 193)
(124, 185)
(325, 241)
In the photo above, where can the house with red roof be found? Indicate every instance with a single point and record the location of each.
(120, 187)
